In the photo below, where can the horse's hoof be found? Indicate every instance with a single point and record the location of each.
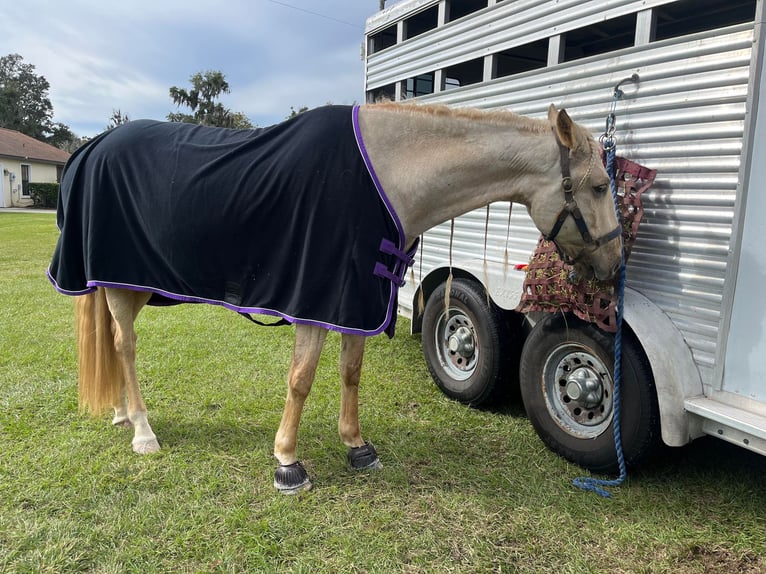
(146, 446)
(121, 422)
(363, 457)
(291, 478)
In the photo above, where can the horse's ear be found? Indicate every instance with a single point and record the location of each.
(564, 126)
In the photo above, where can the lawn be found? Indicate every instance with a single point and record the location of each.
(462, 490)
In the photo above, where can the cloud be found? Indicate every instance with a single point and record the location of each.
(334, 78)
(99, 56)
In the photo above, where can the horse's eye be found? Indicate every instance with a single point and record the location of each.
(600, 189)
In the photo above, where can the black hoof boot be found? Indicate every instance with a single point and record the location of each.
(291, 478)
(364, 457)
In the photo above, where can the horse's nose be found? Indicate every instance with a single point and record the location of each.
(604, 273)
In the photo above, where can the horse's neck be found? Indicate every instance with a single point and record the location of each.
(434, 167)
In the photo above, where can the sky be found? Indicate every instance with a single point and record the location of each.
(105, 55)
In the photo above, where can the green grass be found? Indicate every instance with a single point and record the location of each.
(462, 490)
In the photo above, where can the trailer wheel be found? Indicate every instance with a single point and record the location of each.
(463, 347)
(567, 389)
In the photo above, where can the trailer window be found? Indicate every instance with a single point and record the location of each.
(690, 16)
(419, 85)
(382, 94)
(459, 8)
(599, 38)
(464, 74)
(421, 22)
(520, 59)
(383, 39)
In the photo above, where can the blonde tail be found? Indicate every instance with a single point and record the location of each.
(101, 381)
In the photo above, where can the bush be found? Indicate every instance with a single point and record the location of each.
(44, 195)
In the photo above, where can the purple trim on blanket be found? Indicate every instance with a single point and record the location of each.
(92, 285)
(66, 291)
(374, 177)
(399, 268)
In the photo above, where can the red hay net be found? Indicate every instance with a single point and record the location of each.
(549, 286)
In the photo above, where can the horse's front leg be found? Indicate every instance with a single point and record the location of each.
(290, 477)
(361, 454)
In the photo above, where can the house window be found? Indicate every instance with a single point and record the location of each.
(25, 180)
(690, 16)
(59, 172)
(599, 38)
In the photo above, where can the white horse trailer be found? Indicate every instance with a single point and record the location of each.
(694, 356)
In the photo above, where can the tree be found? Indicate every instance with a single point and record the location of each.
(240, 121)
(117, 119)
(24, 102)
(201, 100)
(61, 136)
(71, 146)
(25, 106)
(294, 112)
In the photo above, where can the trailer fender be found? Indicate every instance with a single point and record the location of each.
(675, 373)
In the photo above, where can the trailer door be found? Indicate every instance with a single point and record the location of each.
(745, 362)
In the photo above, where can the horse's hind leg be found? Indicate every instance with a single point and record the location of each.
(121, 418)
(124, 306)
(290, 477)
(361, 454)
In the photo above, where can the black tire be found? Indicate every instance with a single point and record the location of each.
(566, 384)
(464, 349)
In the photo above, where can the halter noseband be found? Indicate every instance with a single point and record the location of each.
(571, 207)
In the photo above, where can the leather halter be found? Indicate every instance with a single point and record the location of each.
(571, 207)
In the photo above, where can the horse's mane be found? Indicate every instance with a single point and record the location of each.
(503, 117)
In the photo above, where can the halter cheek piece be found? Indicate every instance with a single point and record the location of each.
(571, 207)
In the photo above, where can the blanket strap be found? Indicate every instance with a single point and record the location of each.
(382, 271)
(387, 246)
(279, 323)
(404, 260)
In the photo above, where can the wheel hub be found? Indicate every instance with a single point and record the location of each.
(584, 386)
(578, 391)
(461, 342)
(456, 344)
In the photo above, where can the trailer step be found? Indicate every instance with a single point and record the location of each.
(730, 423)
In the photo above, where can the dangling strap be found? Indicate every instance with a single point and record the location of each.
(279, 323)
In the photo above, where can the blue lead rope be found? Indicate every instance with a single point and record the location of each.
(587, 482)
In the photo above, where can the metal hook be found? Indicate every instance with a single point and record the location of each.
(618, 93)
(607, 138)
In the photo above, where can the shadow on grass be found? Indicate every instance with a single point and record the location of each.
(442, 445)
(706, 458)
(234, 436)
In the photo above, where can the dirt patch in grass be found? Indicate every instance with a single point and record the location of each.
(718, 560)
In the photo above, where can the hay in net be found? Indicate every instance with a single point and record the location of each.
(551, 285)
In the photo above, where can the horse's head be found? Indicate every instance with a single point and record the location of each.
(577, 210)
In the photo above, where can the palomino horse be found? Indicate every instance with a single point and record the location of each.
(434, 164)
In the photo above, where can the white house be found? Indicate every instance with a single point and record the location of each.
(25, 160)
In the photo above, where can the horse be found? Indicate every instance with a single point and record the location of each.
(430, 163)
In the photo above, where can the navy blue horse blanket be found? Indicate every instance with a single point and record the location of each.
(289, 220)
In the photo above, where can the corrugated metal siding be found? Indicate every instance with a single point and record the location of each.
(686, 119)
(493, 29)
